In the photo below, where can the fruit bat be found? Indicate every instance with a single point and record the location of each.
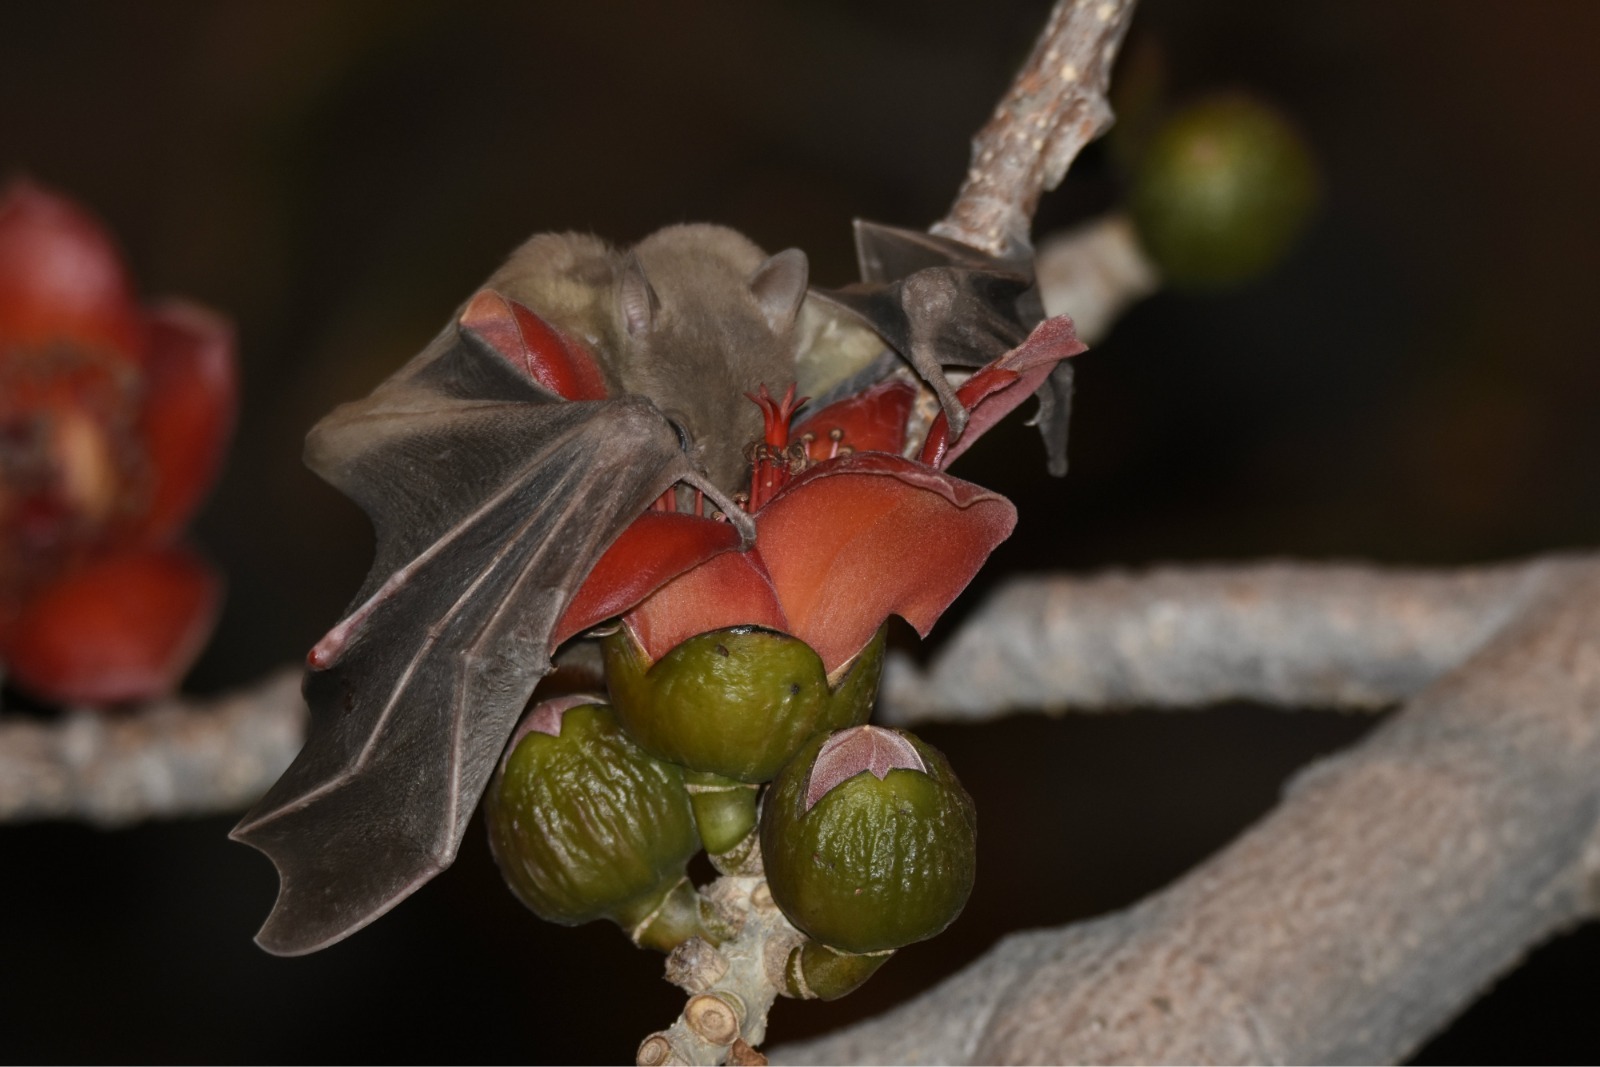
(495, 475)
(579, 386)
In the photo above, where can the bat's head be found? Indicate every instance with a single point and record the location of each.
(705, 317)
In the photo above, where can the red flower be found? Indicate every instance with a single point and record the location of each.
(848, 530)
(113, 421)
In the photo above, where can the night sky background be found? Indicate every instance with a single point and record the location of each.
(1418, 384)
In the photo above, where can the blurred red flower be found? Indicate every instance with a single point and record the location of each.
(113, 422)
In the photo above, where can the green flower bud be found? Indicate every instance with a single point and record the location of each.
(737, 702)
(1223, 190)
(817, 972)
(584, 825)
(724, 809)
(869, 841)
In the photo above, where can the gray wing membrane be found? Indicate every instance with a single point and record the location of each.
(491, 500)
(940, 303)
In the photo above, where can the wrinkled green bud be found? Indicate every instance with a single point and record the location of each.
(585, 825)
(724, 809)
(869, 841)
(736, 702)
(1224, 188)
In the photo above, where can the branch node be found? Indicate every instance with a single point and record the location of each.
(657, 1051)
(713, 1017)
(695, 965)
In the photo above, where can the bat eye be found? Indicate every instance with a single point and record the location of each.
(684, 440)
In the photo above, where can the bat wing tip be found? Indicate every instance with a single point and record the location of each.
(317, 907)
(287, 935)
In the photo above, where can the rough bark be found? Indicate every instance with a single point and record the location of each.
(1055, 106)
(1394, 882)
(1336, 636)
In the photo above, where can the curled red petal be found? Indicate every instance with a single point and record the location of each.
(544, 353)
(61, 277)
(870, 421)
(732, 589)
(191, 394)
(991, 393)
(123, 628)
(655, 548)
(854, 541)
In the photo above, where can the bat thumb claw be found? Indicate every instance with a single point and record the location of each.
(744, 524)
(739, 517)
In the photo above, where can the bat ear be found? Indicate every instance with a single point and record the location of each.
(636, 297)
(779, 286)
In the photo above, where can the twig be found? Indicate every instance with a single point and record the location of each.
(1290, 634)
(173, 757)
(1391, 886)
(732, 987)
(1094, 273)
(1056, 105)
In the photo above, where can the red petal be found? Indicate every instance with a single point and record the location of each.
(655, 548)
(547, 355)
(873, 421)
(991, 393)
(854, 541)
(732, 589)
(191, 392)
(61, 277)
(123, 628)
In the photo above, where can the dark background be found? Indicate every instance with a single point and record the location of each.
(1418, 384)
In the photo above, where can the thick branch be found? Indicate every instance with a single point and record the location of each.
(1056, 105)
(174, 757)
(1280, 633)
(1393, 883)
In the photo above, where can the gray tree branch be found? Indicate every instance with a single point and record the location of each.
(1290, 634)
(1055, 106)
(1391, 886)
(172, 757)
(1094, 272)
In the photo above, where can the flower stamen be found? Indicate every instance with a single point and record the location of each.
(772, 459)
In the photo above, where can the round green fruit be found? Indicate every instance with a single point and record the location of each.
(737, 702)
(585, 825)
(869, 841)
(1223, 190)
